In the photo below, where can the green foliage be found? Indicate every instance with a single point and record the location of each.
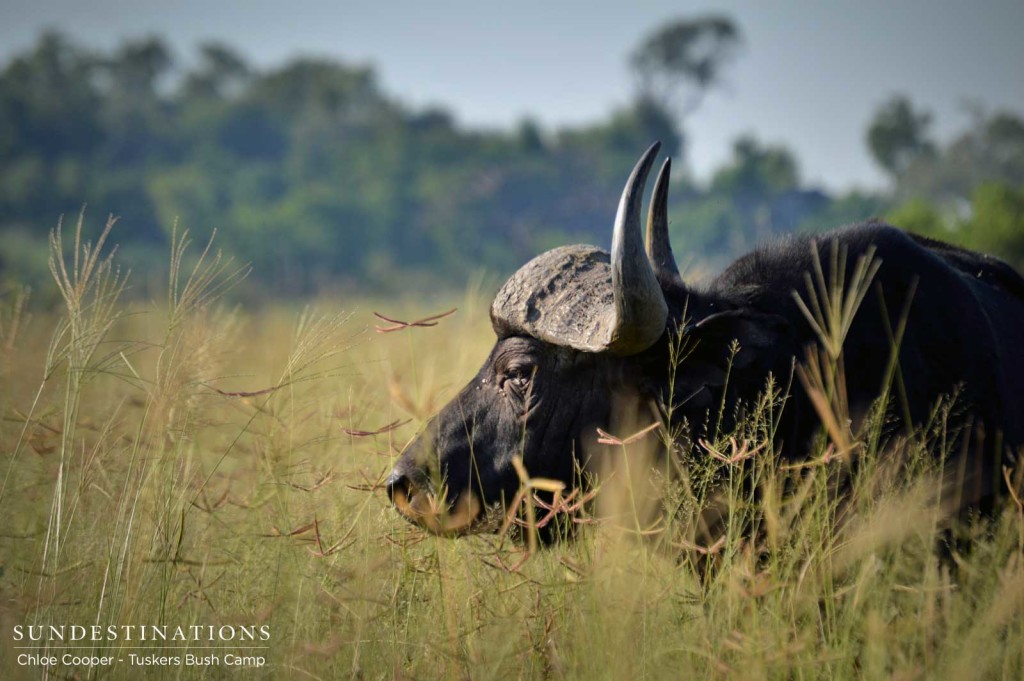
(969, 191)
(921, 217)
(320, 179)
(308, 169)
(23, 260)
(995, 223)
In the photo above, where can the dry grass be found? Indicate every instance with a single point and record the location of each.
(192, 464)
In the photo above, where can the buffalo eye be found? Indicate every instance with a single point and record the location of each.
(517, 377)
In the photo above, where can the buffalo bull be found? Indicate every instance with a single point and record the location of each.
(577, 326)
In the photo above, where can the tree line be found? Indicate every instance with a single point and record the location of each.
(320, 179)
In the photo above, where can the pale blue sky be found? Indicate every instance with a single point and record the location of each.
(809, 76)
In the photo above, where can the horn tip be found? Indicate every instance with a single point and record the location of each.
(663, 174)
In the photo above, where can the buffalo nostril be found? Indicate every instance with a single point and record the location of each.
(397, 483)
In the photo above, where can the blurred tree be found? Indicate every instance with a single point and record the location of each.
(755, 180)
(48, 104)
(530, 136)
(222, 74)
(898, 135)
(137, 67)
(347, 94)
(756, 171)
(679, 61)
(756, 195)
(50, 128)
(997, 221)
(994, 223)
(140, 133)
(845, 209)
(313, 173)
(921, 217)
(991, 149)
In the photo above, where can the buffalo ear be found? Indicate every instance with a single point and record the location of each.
(758, 334)
(705, 367)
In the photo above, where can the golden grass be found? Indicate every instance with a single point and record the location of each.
(188, 463)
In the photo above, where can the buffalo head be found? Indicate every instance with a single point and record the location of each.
(574, 328)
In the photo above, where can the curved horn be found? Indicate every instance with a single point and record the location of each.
(657, 244)
(640, 309)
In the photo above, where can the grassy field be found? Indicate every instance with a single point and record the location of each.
(185, 463)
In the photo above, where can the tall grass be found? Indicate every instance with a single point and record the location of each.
(186, 463)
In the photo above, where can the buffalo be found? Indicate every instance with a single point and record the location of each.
(578, 328)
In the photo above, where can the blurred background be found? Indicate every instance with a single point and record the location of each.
(410, 146)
